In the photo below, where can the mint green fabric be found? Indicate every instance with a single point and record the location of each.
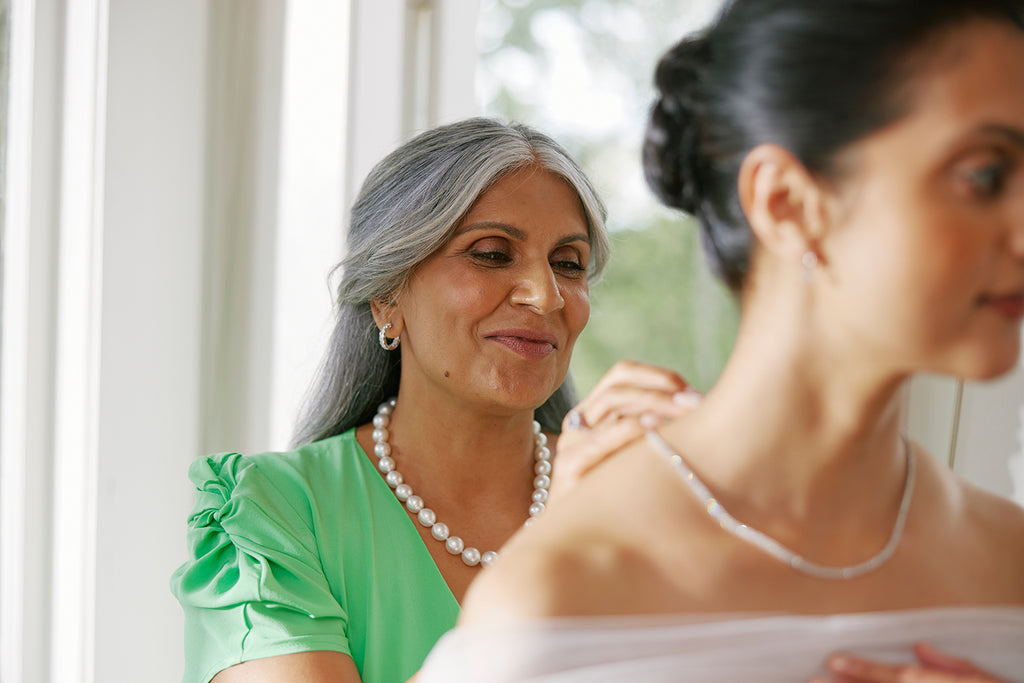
(301, 551)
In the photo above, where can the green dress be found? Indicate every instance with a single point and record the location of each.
(301, 551)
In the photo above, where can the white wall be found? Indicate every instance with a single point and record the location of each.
(975, 427)
(178, 173)
(148, 402)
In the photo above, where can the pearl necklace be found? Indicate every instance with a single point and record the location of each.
(425, 516)
(772, 546)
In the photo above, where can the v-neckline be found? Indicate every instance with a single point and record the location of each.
(401, 511)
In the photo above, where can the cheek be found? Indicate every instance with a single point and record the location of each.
(472, 293)
(577, 308)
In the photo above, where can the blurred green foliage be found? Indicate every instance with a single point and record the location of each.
(658, 303)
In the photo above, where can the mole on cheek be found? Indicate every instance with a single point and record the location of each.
(445, 373)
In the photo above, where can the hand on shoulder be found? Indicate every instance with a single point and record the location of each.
(631, 398)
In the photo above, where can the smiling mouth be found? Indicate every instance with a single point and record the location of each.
(529, 345)
(1009, 305)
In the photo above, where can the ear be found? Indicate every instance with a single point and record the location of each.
(385, 312)
(784, 204)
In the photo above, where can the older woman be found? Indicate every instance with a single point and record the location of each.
(470, 252)
(857, 169)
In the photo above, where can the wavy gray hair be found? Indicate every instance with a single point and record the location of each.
(408, 208)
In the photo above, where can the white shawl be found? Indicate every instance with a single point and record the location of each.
(702, 649)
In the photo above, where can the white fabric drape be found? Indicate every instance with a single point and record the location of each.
(702, 649)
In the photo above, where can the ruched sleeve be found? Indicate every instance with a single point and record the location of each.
(254, 584)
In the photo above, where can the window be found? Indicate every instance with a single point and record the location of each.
(581, 72)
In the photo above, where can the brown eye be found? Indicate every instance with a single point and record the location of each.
(984, 174)
(568, 261)
(491, 251)
(988, 181)
(491, 257)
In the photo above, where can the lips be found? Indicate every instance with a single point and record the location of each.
(1010, 305)
(529, 344)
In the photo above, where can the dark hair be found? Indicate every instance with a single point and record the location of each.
(810, 75)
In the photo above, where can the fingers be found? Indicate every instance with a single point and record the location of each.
(934, 668)
(633, 389)
(630, 399)
(862, 670)
(936, 659)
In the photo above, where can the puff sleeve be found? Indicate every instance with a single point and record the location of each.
(254, 584)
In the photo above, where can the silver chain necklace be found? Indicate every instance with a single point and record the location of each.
(769, 544)
(427, 517)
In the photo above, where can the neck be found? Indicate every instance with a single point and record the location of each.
(813, 432)
(457, 448)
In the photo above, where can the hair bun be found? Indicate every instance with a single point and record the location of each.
(672, 153)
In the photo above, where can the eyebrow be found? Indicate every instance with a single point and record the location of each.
(516, 233)
(1014, 136)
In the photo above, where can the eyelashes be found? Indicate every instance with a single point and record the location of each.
(496, 259)
(989, 180)
(491, 258)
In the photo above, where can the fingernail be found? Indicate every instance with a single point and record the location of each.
(687, 399)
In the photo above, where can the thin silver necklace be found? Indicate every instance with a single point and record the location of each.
(770, 545)
(426, 517)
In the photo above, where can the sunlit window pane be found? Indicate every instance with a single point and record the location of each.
(581, 71)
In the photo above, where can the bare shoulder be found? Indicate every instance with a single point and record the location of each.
(985, 528)
(576, 560)
(538, 575)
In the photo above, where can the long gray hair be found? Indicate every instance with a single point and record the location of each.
(408, 208)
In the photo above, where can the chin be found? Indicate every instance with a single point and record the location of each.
(524, 397)
(989, 364)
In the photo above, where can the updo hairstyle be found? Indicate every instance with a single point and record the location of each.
(812, 76)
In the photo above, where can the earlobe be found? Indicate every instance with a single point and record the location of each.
(384, 313)
(781, 201)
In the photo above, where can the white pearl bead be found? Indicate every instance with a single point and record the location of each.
(529, 521)
(471, 556)
(392, 402)
(427, 517)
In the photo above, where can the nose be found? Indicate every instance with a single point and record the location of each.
(538, 289)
